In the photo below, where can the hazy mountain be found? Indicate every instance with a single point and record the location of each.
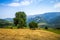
(56, 22)
(4, 23)
(46, 17)
(9, 19)
(50, 15)
(51, 18)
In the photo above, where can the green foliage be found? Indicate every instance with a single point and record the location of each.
(8, 27)
(20, 19)
(15, 21)
(46, 27)
(57, 31)
(58, 28)
(4, 23)
(33, 25)
(54, 30)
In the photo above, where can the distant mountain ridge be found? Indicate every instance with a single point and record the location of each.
(46, 17)
(4, 23)
(9, 19)
(49, 17)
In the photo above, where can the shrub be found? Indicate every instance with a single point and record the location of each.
(46, 27)
(58, 28)
(33, 25)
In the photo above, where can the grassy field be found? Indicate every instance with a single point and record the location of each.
(27, 34)
(54, 30)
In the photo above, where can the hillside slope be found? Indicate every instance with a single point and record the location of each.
(26, 34)
(4, 23)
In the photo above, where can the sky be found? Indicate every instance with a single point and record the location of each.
(8, 8)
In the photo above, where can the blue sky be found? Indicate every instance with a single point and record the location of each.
(8, 8)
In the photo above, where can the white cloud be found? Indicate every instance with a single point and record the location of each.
(35, 1)
(13, 4)
(16, 3)
(57, 5)
(16, 0)
(25, 3)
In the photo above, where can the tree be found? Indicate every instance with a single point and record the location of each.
(46, 27)
(20, 19)
(15, 21)
(33, 25)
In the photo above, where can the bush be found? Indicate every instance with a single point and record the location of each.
(46, 27)
(33, 25)
(58, 28)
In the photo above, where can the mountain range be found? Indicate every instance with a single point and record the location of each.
(52, 18)
(44, 17)
(9, 19)
(4, 23)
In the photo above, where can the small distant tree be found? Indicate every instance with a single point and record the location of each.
(46, 27)
(33, 25)
(58, 28)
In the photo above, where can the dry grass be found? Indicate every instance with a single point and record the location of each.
(26, 34)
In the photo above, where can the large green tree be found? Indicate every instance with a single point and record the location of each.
(20, 19)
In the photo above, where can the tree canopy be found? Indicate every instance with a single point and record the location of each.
(20, 19)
